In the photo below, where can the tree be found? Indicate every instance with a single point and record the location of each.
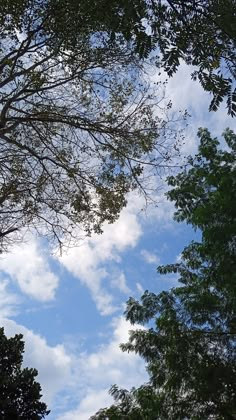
(201, 33)
(76, 123)
(20, 394)
(189, 346)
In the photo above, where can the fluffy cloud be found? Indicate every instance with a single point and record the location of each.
(87, 262)
(90, 404)
(27, 265)
(111, 360)
(188, 94)
(79, 380)
(99, 370)
(53, 363)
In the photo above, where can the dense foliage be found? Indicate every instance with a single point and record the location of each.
(201, 33)
(190, 343)
(20, 394)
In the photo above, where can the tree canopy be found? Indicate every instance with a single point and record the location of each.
(189, 341)
(20, 394)
(77, 123)
(202, 34)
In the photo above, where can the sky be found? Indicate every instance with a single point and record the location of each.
(70, 307)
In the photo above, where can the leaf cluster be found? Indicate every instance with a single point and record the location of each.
(189, 342)
(202, 34)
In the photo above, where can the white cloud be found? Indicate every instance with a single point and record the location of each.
(188, 94)
(119, 282)
(90, 404)
(87, 261)
(150, 257)
(185, 94)
(54, 365)
(79, 380)
(160, 216)
(99, 370)
(8, 301)
(27, 265)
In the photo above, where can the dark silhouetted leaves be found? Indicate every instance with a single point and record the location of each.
(189, 345)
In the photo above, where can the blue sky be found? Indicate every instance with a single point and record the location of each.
(69, 308)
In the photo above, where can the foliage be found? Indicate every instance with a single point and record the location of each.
(203, 34)
(76, 123)
(20, 394)
(190, 344)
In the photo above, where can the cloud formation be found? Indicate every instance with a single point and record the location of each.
(99, 370)
(54, 365)
(87, 262)
(119, 282)
(27, 265)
